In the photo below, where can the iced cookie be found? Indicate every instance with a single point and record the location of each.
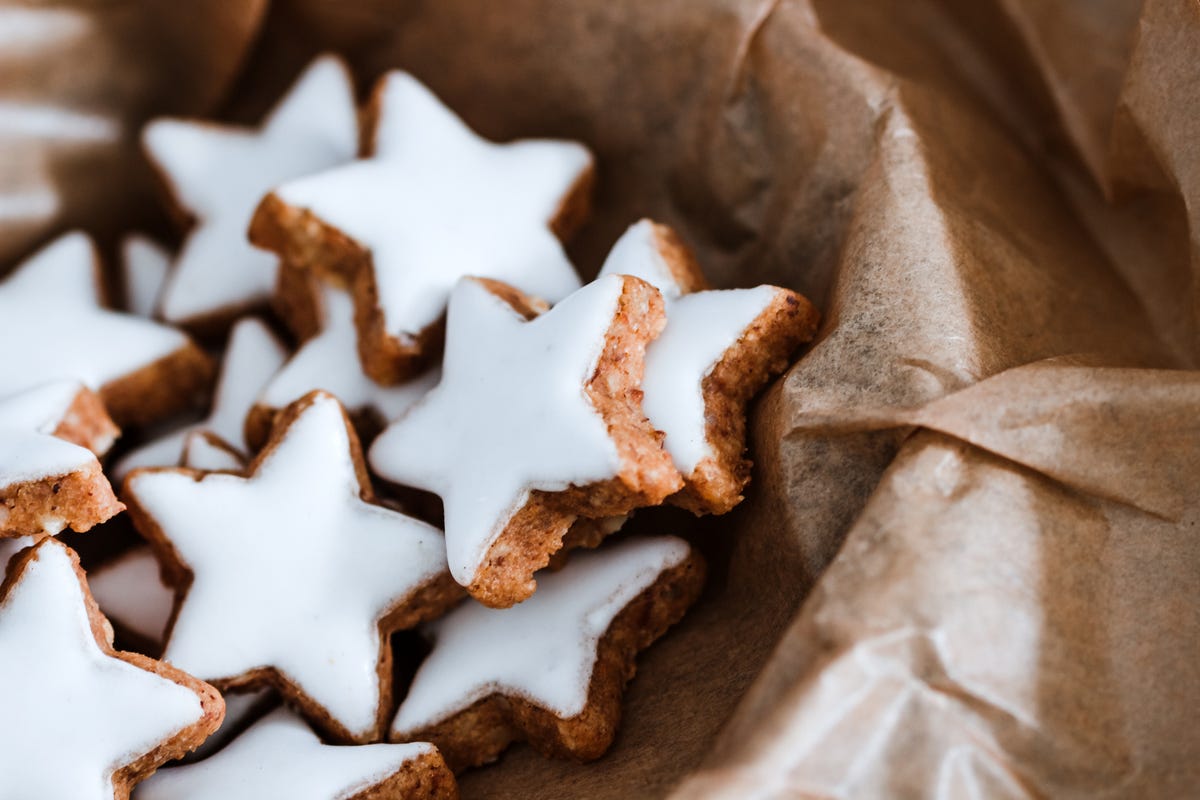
(534, 423)
(51, 305)
(81, 720)
(431, 202)
(718, 350)
(329, 361)
(50, 478)
(251, 358)
(216, 175)
(551, 670)
(145, 265)
(292, 576)
(279, 757)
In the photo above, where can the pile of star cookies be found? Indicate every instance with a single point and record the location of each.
(436, 318)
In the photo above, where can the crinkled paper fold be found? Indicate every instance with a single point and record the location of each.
(969, 563)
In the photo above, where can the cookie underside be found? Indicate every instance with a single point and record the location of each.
(479, 733)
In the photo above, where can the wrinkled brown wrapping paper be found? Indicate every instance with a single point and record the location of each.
(969, 565)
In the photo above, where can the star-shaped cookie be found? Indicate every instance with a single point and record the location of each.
(280, 757)
(216, 174)
(432, 202)
(552, 669)
(718, 349)
(51, 306)
(49, 476)
(82, 721)
(291, 575)
(329, 361)
(252, 356)
(535, 422)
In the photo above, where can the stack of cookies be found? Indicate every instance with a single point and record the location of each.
(399, 322)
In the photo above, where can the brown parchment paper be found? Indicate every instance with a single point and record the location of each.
(967, 565)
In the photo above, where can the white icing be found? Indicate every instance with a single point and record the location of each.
(329, 361)
(72, 714)
(219, 174)
(68, 268)
(542, 650)
(144, 264)
(28, 449)
(700, 328)
(510, 415)
(8, 549)
(50, 306)
(280, 757)
(251, 358)
(202, 451)
(166, 451)
(437, 202)
(240, 709)
(130, 592)
(292, 569)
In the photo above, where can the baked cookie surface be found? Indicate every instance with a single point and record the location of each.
(719, 347)
(50, 478)
(430, 203)
(535, 422)
(51, 304)
(290, 575)
(82, 721)
(551, 670)
(216, 174)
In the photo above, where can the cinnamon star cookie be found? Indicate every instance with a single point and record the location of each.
(536, 421)
(51, 306)
(717, 350)
(216, 175)
(82, 721)
(552, 669)
(291, 575)
(50, 478)
(430, 202)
